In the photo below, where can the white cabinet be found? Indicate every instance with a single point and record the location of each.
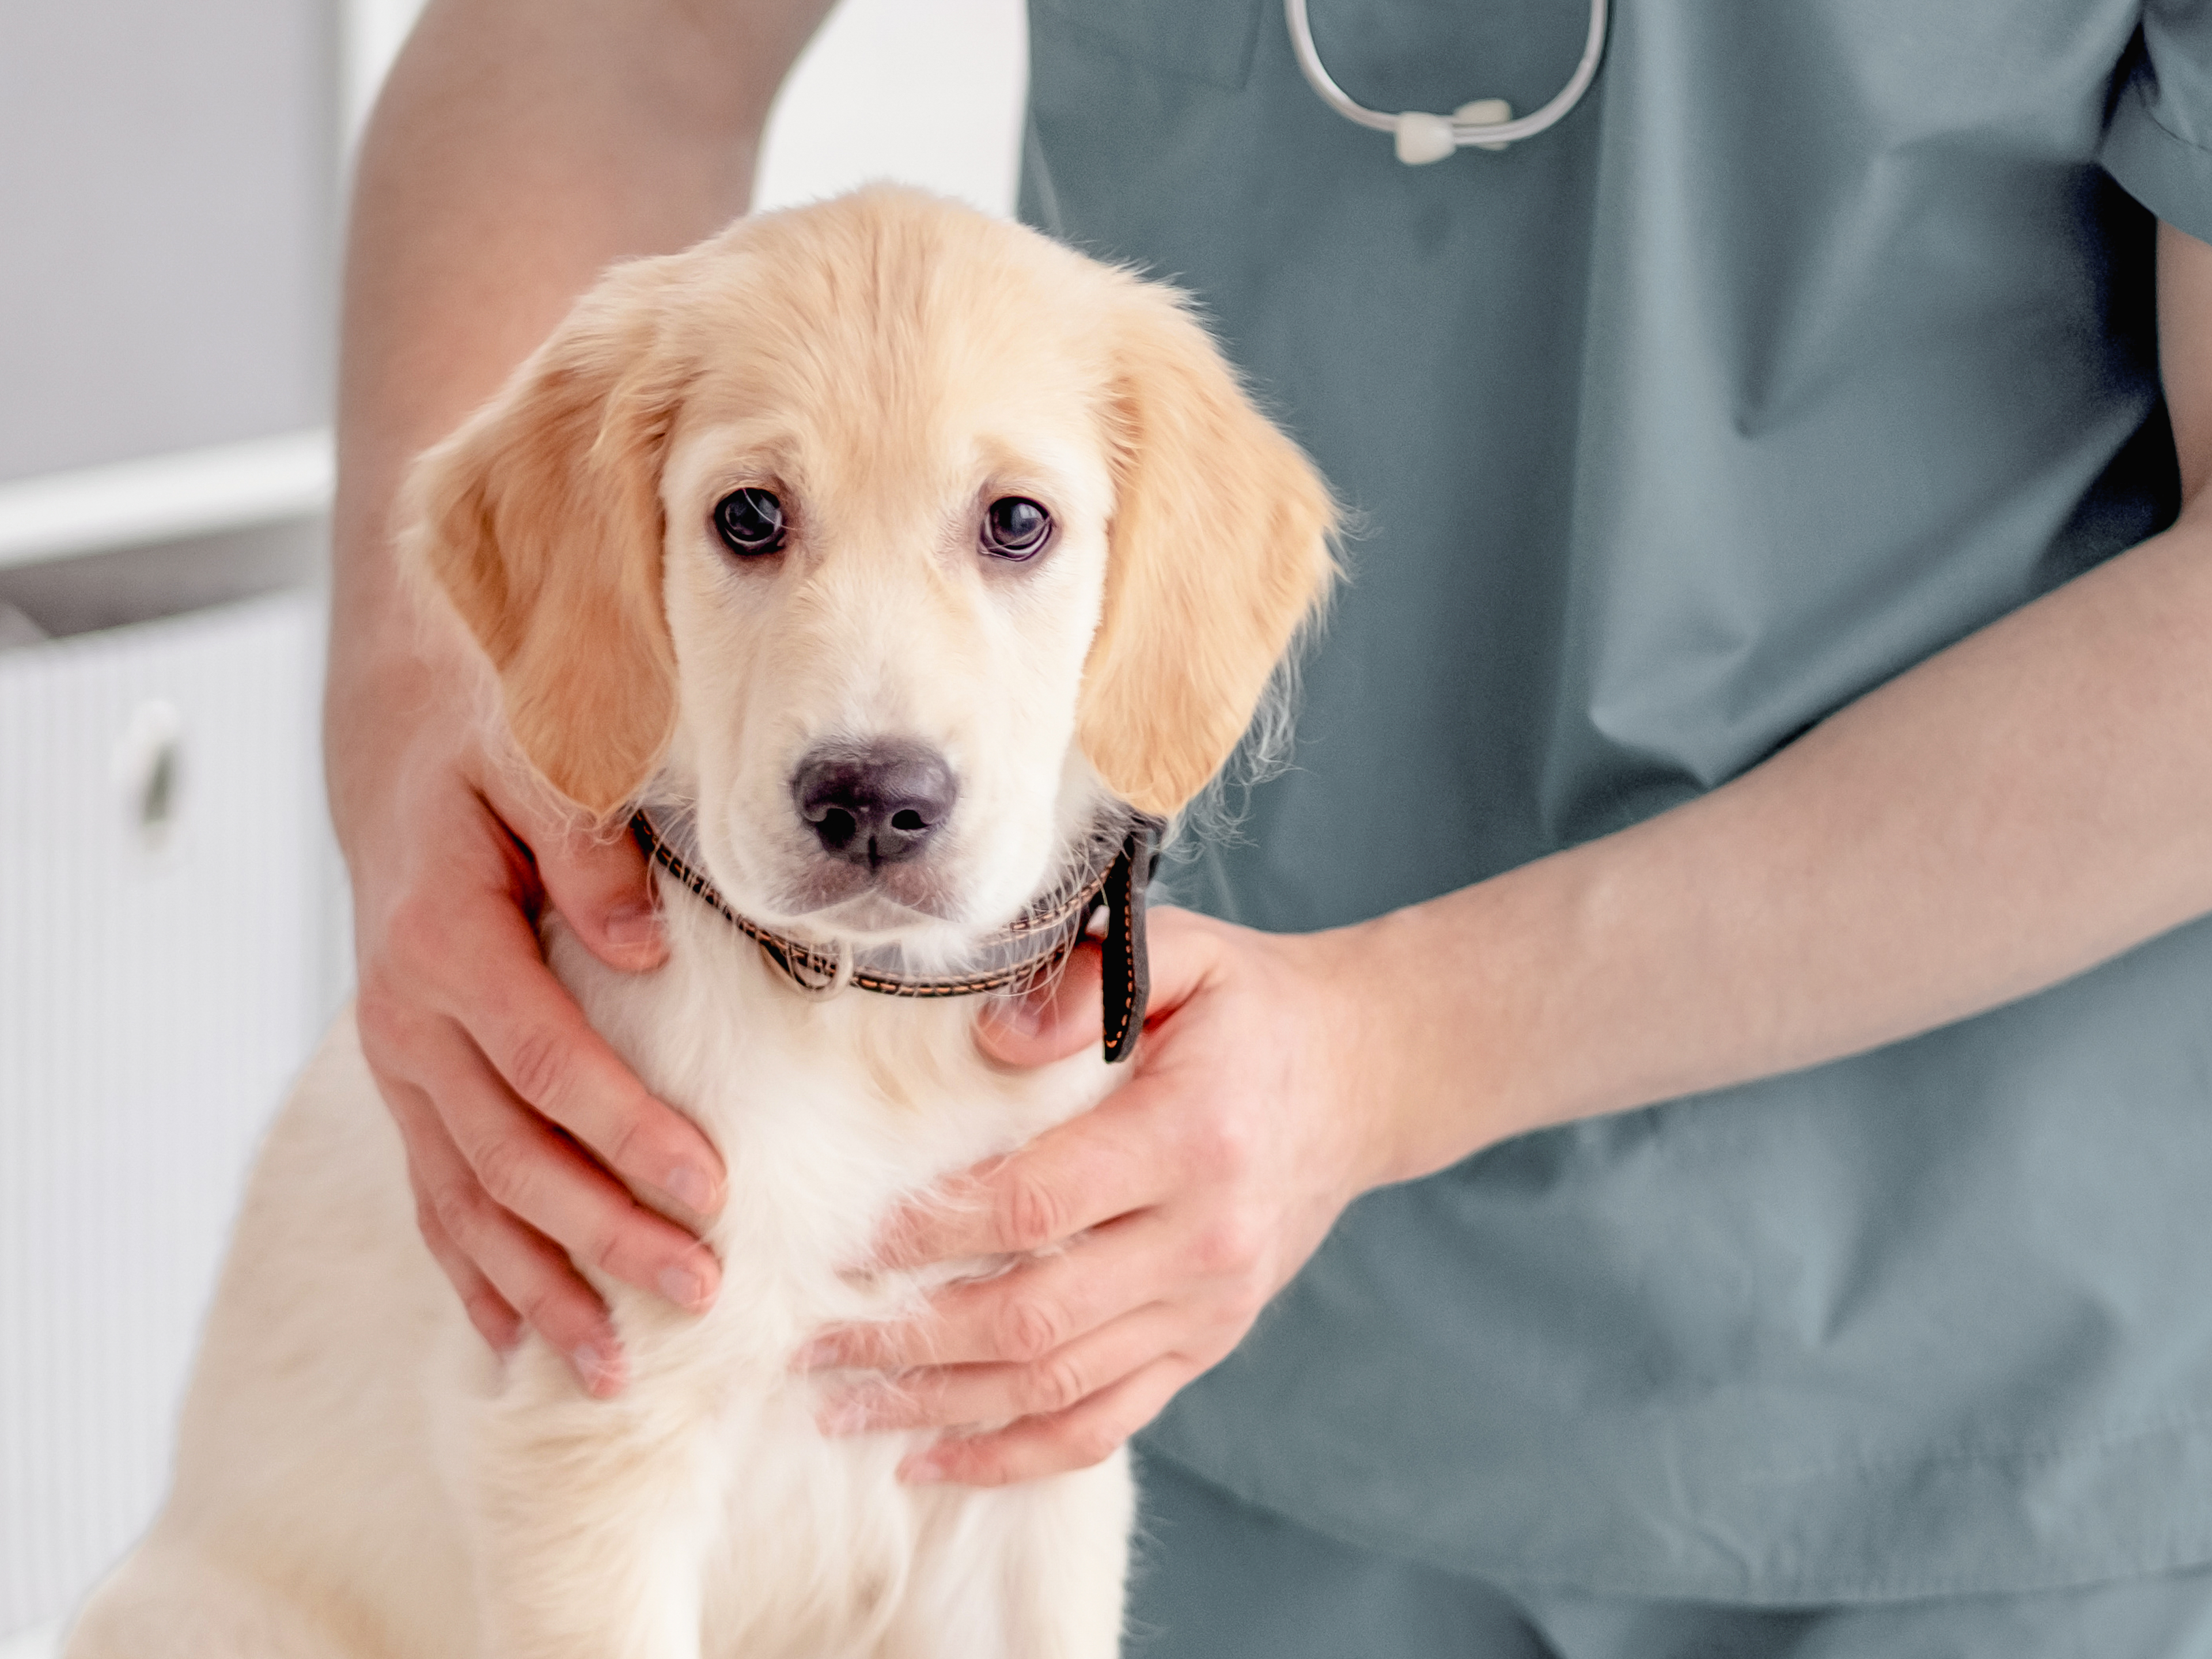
(164, 962)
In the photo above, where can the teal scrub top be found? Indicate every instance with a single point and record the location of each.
(1818, 337)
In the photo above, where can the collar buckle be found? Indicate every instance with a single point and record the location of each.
(804, 969)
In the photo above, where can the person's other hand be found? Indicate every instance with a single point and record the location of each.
(529, 1143)
(1152, 1229)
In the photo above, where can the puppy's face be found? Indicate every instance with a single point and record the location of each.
(885, 560)
(900, 542)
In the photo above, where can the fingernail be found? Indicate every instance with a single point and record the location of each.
(632, 924)
(684, 1287)
(600, 1368)
(689, 1187)
(923, 1468)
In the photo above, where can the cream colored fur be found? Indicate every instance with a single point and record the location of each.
(358, 1476)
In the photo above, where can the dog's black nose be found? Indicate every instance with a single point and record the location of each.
(876, 804)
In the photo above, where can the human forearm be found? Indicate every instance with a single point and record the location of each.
(517, 150)
(2018, 808)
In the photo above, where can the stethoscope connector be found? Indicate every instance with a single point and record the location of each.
(1483, 124)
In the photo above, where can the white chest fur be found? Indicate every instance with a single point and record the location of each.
(827, 1111)
(359, 1479)
(727, 1507)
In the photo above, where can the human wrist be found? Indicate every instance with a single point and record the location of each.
(396, 693)
(1450, 1029)
(1386, 1058)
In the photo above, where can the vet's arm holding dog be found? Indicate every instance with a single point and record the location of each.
(2030, 802)
(517, 150)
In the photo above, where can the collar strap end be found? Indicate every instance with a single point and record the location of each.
(1126, 978)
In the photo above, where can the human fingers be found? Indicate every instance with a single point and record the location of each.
(456, 1004)
(486, 1249)
(534, 1174)
(1105, 1163)
(1062, 1019)
(959, 1396)
(518, 1166)
(495, 1318)
(1090, 1171)
(524, 1023)
(1037, 1339)
(597, 879)
(1242, 1150)
(1024, 1315)
(1055, 1443)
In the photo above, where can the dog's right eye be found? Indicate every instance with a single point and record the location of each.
(1015, 528)
(750, 522)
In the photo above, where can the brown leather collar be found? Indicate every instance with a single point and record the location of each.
(1025, 952)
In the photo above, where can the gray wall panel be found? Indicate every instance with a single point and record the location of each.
(166, 210)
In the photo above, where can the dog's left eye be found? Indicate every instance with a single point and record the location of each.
(1016, 527)
(750, 522)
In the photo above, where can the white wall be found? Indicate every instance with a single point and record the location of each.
(168, 199)
(926, 91)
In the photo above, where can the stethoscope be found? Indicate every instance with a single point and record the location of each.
(1488, 123)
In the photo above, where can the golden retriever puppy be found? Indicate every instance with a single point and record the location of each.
(891, 562)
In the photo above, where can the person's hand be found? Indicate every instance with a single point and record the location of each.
(1152, 1229)
(514, 1110)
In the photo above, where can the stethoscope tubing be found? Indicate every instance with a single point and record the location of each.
(1495, 134)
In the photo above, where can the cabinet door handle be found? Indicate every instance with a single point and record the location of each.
(149, 772)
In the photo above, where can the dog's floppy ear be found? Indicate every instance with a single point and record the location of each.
(1219, 551)
(541, 520)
